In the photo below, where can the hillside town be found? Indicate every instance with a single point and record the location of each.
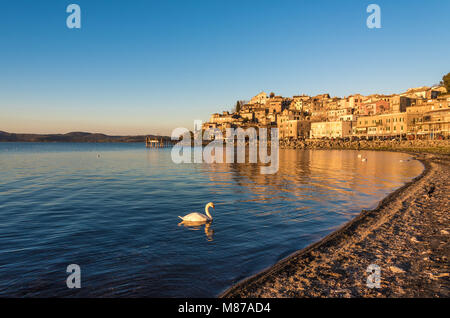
(418, 113)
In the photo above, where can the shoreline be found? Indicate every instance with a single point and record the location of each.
(408, 146)
(407, 235)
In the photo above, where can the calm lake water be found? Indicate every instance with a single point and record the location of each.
(116, 215)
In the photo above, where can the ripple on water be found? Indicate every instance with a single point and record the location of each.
(116, 216)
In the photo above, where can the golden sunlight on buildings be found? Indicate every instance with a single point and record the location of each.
(421, 112)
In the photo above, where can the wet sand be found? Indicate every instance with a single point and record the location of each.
(407, 236)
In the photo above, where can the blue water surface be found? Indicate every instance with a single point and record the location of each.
(113, 210)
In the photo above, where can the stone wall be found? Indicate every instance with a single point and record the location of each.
(433, 146)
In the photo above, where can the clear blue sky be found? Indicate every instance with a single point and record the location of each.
(139, 67)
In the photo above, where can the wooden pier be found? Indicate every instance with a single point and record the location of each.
(155, 142)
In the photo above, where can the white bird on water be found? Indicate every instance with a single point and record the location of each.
(198, 217)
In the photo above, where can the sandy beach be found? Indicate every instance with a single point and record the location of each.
(407, 236)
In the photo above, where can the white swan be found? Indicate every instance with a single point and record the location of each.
(198, 217)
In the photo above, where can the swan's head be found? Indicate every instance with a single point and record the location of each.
(209, 205)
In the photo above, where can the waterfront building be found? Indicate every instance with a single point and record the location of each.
(348, 117)
(336, 129)
(247, 115)
(221, 118)
(294, 128)
(299, 102)
(261, 116)
(331, 104)
(432, 118)
(393, 124)
(272, 117)
(373, 107)
(435, 124)
(259, 99)
(209, 125)
(288, 114)
(354, 101)
(424, 92)
(319, 116)
(420, 111)
(339, 114)
(344, 103)
(399, 103)
(275, 104)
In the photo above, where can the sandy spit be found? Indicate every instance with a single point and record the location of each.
(407, 236)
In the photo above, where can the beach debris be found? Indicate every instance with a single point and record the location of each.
(442, 275)
(396, 270)
(436, 276)
(430, 189)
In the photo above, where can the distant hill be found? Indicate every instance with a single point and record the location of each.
(71, 137)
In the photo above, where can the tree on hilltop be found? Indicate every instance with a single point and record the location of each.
(446, 82)
(237, 109)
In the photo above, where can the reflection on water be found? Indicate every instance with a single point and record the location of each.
(116, 215)
(196, 226)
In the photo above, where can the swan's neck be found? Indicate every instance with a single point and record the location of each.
(207, 211)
